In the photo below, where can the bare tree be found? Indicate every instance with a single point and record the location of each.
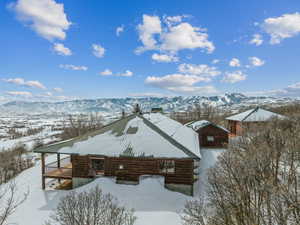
(79, 125)
(256, 181)
(92, 208)
(200, 112)
(195, 212)
(9, 201)
(13, 162)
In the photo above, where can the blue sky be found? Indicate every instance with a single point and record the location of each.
(64, 49)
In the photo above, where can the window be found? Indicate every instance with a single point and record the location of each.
(210, 138)
(167, 166)
(97, 165)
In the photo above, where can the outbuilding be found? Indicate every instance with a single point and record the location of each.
(210, 134)
(250, 118)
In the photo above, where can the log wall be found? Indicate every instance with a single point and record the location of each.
(81, 166)
(235, 127)
(133, 168)
(220, 136)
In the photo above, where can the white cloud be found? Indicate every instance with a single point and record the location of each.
(34, 83)
(164, 58)
(292, 90)
(171, 20)
(17, 81)
(72, 67)
(234, 62)
(22, 82)
(180, 83)
(174, 80)
(174, 19)
(64, 98)
(289, 91)
(282, 27)
(151, 25)
(60, 49)
(45, 95)
(234, 77)
(185, 36)
(20, 93)
(184, 81)
(256, 40)
(98, 50)
(3, 99)
(106, 72)
(215, 61)
(144, 95)
(46, 17)
(127, 73)
(255, 61)
(57, 89)
(119, 30)
(172, 37)
(205, 90)
(200, 70)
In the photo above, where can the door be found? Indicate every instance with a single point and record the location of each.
(97, 165)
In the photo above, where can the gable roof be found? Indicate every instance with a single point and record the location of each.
(133, 134)
(175, 130)
(254, 115)
(196, 125)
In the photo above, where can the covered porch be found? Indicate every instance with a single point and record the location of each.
(60, 169)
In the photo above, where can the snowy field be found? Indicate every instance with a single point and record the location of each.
(49, 126)
(154, 205)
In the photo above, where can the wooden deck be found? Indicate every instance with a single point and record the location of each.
(62, 173)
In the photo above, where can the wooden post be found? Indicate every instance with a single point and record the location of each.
(58, 164)
(58, 160)
(43, 171)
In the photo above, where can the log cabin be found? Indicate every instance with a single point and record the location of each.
(249, 119)
(135, 145)
(210, 134)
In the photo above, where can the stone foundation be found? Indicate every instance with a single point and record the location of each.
(127, 182)
(182, 188)
(78, 181)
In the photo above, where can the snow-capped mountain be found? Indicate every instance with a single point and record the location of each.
(116, 105)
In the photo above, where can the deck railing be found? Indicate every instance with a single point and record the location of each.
(62, 168)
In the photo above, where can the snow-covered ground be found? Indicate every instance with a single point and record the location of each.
(46, 136)
(49, 127)
(152, 202)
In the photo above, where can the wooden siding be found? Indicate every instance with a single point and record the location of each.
(235, 127)
(133, 168)
(136, 167)
(220, 136)
(81, 166)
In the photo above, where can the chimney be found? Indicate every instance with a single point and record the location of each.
(137, 109)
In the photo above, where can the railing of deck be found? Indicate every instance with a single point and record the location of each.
(64, 166)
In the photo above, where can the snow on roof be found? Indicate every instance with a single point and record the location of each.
(254, 115)
(131, 135)
(182, 134)
(196, 125)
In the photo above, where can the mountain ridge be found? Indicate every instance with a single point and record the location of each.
(116, 105)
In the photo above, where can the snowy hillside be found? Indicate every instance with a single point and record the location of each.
(110, 106)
